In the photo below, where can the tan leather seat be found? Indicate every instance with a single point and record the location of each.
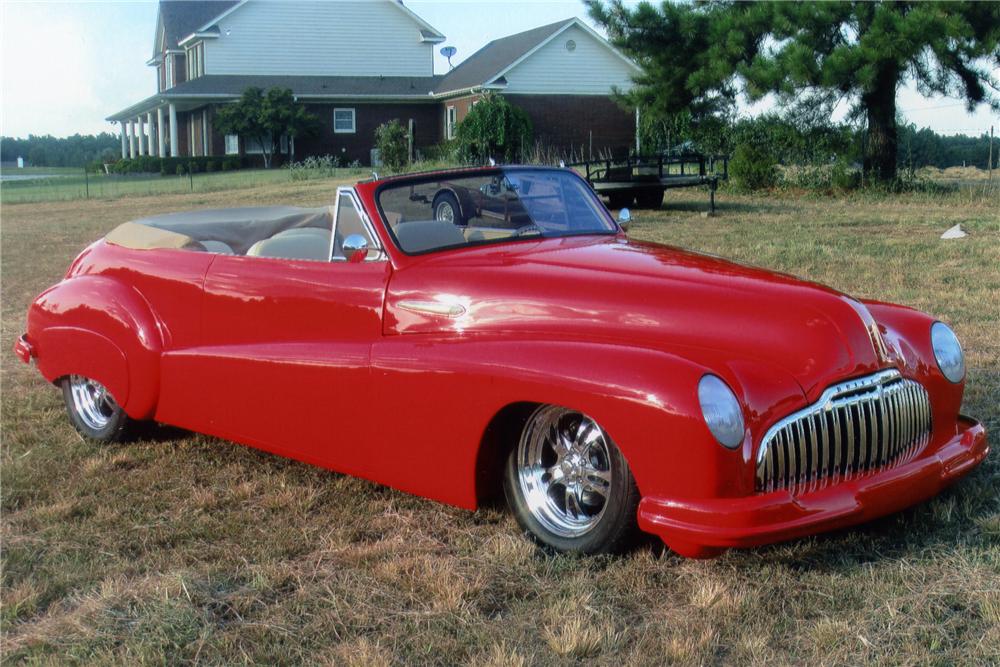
(300, 243)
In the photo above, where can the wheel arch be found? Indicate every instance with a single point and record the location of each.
(102, 328)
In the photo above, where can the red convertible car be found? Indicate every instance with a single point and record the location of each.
(526, 344)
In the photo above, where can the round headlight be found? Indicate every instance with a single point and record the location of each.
(948, 352)
(721, 410)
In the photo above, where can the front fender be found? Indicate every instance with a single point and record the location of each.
(645, 399)
(102, 328)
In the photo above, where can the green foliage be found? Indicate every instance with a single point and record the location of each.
(262, 118)
(392, 141)
(697, 56)
(150, 164)
(753, 167)
(494, 128)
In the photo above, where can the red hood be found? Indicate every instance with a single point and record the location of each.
(642, 294)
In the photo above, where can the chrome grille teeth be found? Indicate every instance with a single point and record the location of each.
(856, 427)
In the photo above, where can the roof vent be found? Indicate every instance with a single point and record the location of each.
(570, 45)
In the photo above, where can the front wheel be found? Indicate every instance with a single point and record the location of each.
(568, 484)
(93, 411)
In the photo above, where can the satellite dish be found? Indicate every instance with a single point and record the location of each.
(448, 52)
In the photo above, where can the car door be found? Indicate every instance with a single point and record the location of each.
(286, 344)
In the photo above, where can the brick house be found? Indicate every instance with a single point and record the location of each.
(356, 65)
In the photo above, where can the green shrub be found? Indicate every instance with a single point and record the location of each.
(392, 141)
(494, 129)
(753, 168)
(179, 170)
(844, 177)
(210, 166)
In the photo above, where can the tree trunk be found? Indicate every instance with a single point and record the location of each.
(880, 109)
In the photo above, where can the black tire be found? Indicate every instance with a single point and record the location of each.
(444, 201)
(618, 201)
(95, 414)
(652, 199)
(614, 527)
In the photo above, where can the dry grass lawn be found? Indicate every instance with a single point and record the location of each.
(185, 549)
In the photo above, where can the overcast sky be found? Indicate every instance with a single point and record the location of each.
(65, 66)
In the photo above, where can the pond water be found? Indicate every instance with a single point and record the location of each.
(7, 176)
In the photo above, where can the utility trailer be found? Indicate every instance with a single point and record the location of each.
(642, 180)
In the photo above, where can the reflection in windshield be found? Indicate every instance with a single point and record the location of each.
(489, 207)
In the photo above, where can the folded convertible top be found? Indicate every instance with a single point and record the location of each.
(238, 228)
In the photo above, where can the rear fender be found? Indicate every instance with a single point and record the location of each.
(101, 328)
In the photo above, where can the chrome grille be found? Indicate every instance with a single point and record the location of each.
(870, 423)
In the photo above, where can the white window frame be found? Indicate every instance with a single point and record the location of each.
(349, 192)
(450, 121)
(354, 120)
(233, 149)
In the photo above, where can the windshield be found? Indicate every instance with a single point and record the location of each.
(490, 207)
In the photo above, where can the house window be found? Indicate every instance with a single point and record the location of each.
(451, 120)
(232, 144)
(283, 144)
(196, 61)
(344, 121)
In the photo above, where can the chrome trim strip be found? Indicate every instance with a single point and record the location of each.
(433, 308)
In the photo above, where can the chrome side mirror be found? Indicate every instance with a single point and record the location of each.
(624, 219)
(355, 248)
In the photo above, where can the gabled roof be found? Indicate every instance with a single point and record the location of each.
(485, 64)
(180, 18)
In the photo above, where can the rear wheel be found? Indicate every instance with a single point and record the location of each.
(568, 484)
(94, 411)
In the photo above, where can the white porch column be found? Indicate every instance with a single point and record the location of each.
(121, 126)
(161, 145)
(174, 148)
(142, 136)
(152, 136)
(131, 139)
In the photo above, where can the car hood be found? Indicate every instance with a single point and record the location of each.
(634, 293)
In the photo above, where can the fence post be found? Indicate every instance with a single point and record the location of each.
(191, 174)
(86, 183)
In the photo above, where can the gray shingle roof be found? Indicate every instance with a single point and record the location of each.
(180, 18)
(487, 62)
(344, 86)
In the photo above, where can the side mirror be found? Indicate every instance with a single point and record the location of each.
(355, 248)
(624, 219)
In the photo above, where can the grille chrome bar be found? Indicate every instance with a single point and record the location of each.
(865, 424)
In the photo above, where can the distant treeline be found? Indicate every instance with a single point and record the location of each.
(923, 148)
(917, 148)
(49, 151)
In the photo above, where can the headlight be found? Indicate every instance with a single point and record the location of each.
(721, 410)
(948, 352)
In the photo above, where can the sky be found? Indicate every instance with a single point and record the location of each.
(65, 66)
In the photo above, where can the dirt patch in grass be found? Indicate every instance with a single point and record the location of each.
(183, 548)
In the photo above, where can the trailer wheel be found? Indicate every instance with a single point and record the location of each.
(649, 199)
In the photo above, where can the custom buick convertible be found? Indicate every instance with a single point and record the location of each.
(518, 341)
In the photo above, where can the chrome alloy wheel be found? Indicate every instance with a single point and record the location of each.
(564, 470)
(92, 402)
(445, 212)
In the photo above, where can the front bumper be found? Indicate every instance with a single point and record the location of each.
(703, 527)
(24, 350)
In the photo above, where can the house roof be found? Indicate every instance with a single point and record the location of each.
(309, 86)
(482, 66)
(224, 87)
(180, 18)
